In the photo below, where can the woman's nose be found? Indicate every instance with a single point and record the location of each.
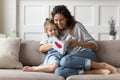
(58, 22)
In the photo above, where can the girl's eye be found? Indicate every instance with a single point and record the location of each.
(50, 30)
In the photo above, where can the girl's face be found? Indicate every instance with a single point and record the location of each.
(60, 21)
(52, 30)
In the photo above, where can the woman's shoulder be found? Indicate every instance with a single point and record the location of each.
(79, 26)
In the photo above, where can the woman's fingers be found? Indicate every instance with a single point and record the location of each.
(72, 44)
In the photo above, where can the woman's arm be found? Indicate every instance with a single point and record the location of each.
(84, 39)
(87, 45)
(75, 43)
(45, 47)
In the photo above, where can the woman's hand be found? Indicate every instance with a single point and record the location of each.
(72, 44)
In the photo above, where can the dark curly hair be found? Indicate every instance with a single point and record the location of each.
(61, 9)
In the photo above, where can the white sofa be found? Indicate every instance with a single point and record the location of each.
(109, 51)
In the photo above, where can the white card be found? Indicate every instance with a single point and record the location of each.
(60, 46)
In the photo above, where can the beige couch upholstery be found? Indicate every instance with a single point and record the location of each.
(109, 51)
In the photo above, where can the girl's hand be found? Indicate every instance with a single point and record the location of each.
(72, 44)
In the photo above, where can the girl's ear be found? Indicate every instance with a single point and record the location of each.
(45, 30)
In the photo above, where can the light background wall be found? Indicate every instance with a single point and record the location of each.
(1, 18)
(8, 15)
(23, 15)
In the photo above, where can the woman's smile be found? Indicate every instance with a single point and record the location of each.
(60, 21)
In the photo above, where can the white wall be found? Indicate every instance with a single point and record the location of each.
(10, 12)
(94, 14)
(1, 16)
(8, 15)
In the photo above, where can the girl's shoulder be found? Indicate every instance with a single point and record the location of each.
(44, 39)
(45, 36)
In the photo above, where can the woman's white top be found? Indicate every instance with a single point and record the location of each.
(80, 34)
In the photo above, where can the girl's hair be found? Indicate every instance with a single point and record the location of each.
(61, 9)
(47, 23)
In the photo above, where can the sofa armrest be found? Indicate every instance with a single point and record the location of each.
(109, 51)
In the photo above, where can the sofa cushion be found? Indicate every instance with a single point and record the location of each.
(109, 51)
(95, 77)
(9, 53)
(29, 53)
(17, 74)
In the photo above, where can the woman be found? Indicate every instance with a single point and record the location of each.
(80, 58)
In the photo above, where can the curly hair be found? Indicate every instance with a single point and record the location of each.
(61, 9)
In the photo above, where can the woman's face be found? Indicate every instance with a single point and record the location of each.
(60, 21)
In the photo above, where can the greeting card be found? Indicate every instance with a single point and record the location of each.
(59, 45)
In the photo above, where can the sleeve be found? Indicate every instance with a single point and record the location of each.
(44, 39)
(83, 35)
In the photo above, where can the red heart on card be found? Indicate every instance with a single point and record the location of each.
(58, 45)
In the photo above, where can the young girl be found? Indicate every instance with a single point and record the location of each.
(53, 57)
